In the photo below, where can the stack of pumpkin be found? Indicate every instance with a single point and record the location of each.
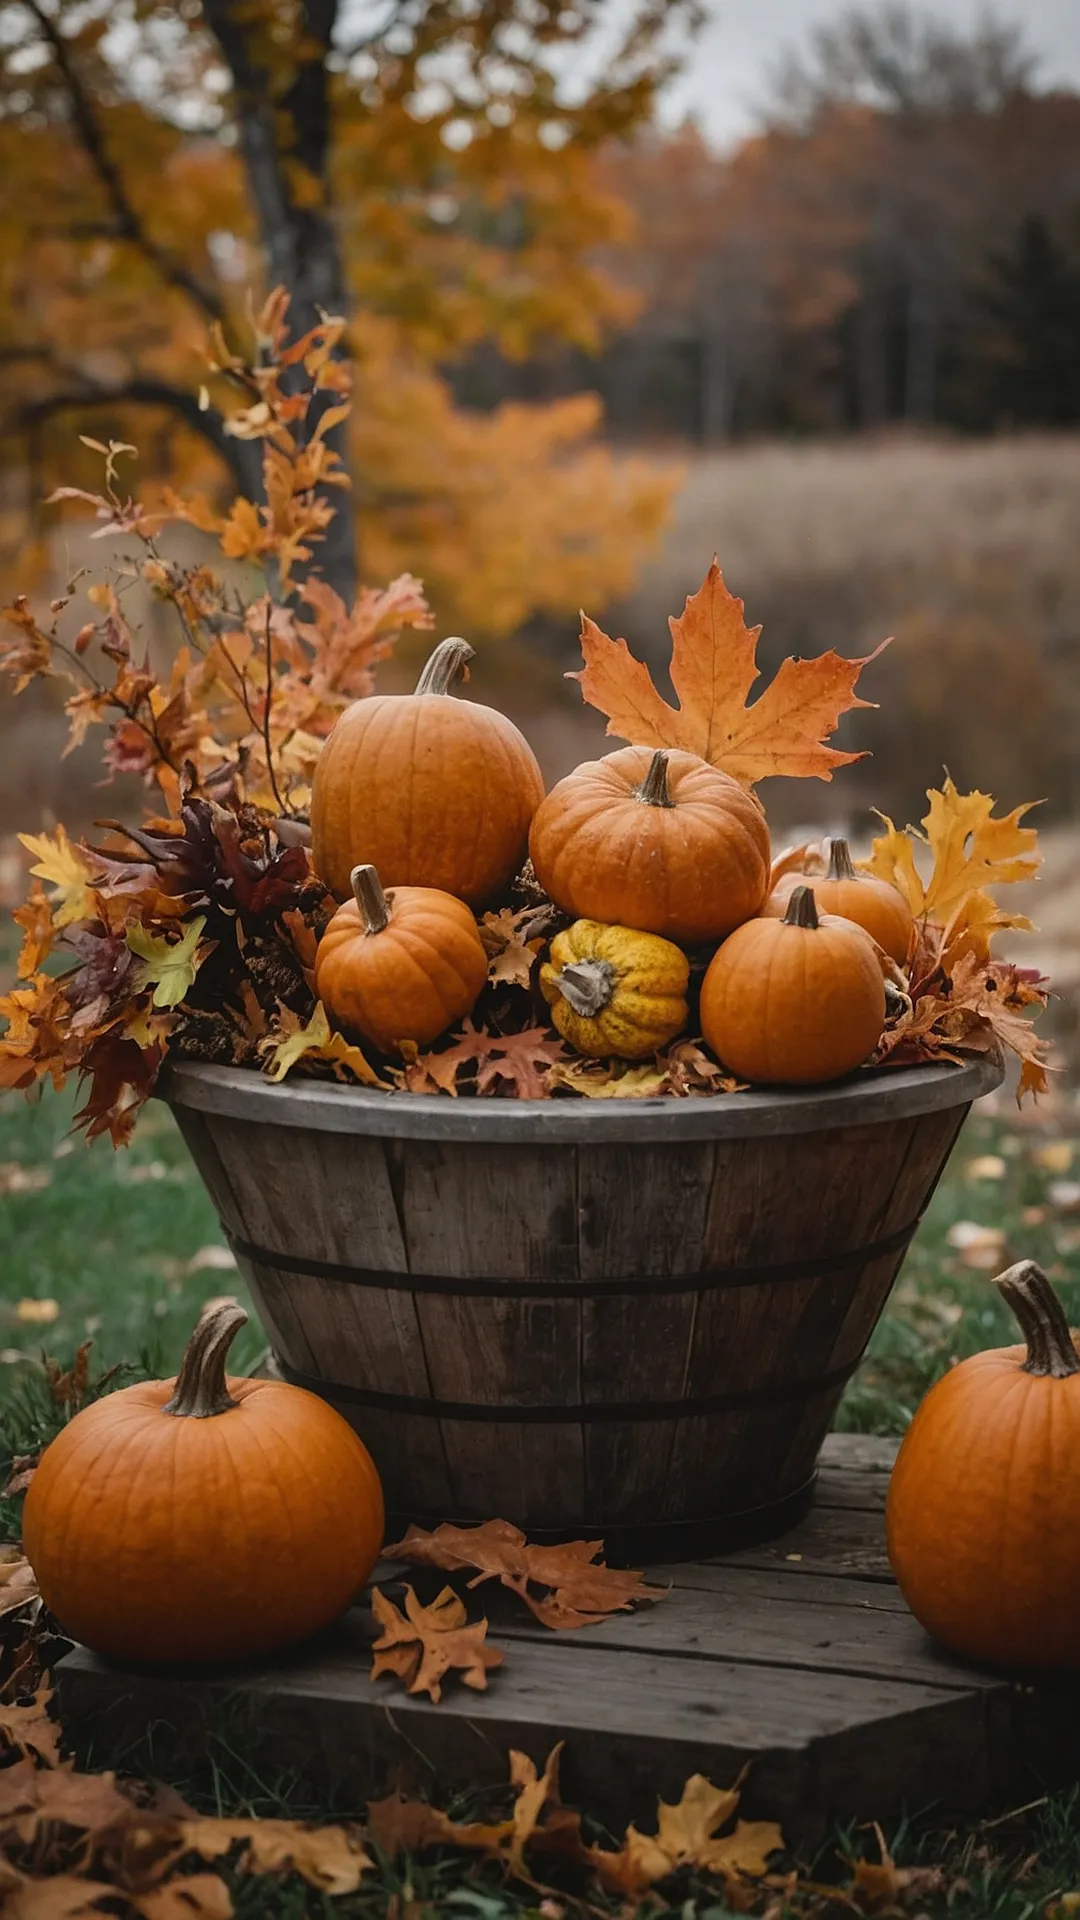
(657, 856)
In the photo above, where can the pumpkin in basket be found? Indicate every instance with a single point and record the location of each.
(615, 992)
(794, 1001)
(876, 905)
(662, 842)
(202, 1519)
(983, 1508)
(400, 965)
(435, 792)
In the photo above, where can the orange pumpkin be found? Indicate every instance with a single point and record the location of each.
(794, 1001)
(202, 1519)
(661, 842)
(983, 1509)
(434, 792)
(400, 965)
(873, 904)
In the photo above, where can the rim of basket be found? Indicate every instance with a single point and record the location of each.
(241, 1093)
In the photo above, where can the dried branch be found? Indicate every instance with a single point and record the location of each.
(240, 456)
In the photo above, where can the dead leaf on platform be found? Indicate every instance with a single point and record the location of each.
(330, 1858)
(30, 1730)
(196, 1896)
(580, 1589)
(713, 667)
(425, 1643)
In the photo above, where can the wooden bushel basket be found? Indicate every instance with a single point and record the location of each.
(626, 1320)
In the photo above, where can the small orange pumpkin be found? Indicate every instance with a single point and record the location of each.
(434, 792)
(983, 1508)
(202, 1519)
(400, 965)
(873, 904)
(794, 1001)
(661, 842)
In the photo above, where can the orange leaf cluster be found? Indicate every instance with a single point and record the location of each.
(713, 668)
(578, 1589)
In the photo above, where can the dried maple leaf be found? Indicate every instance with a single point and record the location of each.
(713, 667)
(606, 1080)
(686, 1835)
(69, 870)
(691, 1070)
(580, 1590)
(399, 1825)
(331, 1858)
(517, 1064)
(970, 852)
(18, 1584)
(62, 1896)
(425, 1643)
(293, 1041)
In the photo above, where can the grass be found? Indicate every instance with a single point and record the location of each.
(118, 1245)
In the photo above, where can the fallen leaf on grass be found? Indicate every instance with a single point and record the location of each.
(15, 1178)
(31, 1797)
(330, 1858)
(1056, 1156)
(196, 1896)
(212, 1259)
(61, 1897)
(580, 1590)
(37, 1313)
(18, 1585)
(686, 1835)
(425, 1643)
(981, 1248)
(987, 1166)
(1064, 1195)
(398, 1825)
(713, 667)
(881, 1887)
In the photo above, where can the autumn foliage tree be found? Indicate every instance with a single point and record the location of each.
(417, 168)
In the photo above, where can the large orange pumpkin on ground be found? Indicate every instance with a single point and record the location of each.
(794, 1001)
(983, 1509)
(399, 965)
(202, 1519)
(433, 791)
(661, 842)
(873, 904)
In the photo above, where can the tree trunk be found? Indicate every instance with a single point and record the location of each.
(282, 138)
(920, 352)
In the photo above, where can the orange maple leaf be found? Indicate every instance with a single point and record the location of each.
(713, 667)
(422, 1645)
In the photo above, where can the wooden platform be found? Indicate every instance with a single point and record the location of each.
(799, 1658)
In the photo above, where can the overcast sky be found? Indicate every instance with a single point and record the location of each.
(726, 74)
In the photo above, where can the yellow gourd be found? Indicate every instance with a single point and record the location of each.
(614, 992)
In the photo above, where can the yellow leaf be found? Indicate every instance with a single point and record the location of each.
(293, 1041)
(243, 535)
(970, 851)
(170, 968)
(713, 667)
(68, 869)
(37, 1313)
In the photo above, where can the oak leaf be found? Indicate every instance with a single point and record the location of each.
(713, 667)
(168, 966)
(425, 1643)
(517, 1064)
(293, 1040)
(70, 872)
(580, 1590)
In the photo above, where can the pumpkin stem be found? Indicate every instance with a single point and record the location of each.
(449, 662)
(1050, 1349)
(840, 867)
(201, 1389)
(370, 898)
(654, 788)
(587, 985)
(801, 908)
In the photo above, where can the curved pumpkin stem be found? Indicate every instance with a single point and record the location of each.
(654, 788)
(801, 908)
(201, 1390)
(1050, 1350)
(448, 663)
(840, 866)
(587, 985)
(370, 898)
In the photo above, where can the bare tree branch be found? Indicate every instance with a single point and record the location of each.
(241, 457)
(129, 225)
